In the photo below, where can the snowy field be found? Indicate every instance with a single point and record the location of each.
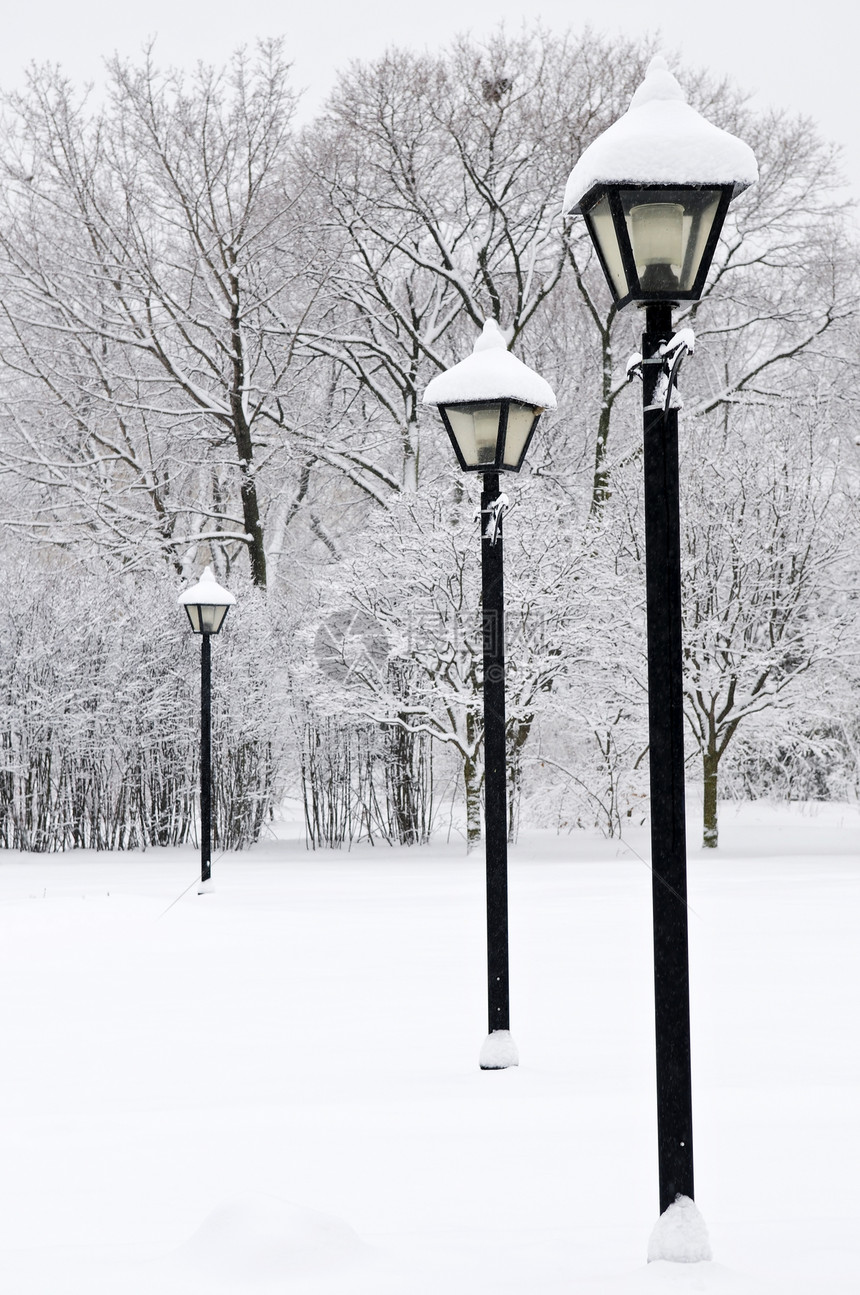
(275, 1087)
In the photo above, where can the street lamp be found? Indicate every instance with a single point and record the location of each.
(207, 604)
(654, 190)
(490, 404)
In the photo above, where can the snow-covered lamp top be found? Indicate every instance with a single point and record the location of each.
(661, 139)
(206, 603)
(490, 404)
(490, 373)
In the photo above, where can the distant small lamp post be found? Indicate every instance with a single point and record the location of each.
(490, 404)
(654, 190)
(206, 603)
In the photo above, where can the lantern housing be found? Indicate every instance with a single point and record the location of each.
(490, 404)
(656, 242)
(490, 435)
(207, 604)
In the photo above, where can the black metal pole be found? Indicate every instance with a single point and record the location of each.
(666, 737)
(495, 759)
(205, 758)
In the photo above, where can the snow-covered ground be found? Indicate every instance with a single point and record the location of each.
(275, 1087)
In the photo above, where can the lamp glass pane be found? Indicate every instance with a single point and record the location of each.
(701, 224)
(476, 430)
(194, 616)
(521, 420)
(657, 235)
(212, 617)
(599, 219)
(669, 231)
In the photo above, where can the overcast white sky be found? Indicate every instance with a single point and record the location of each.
(801, 56)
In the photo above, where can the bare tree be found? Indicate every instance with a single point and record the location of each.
(149, 293)
(763, 536)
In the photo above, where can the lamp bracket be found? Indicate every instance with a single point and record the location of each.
(493, 514)
(670, 357)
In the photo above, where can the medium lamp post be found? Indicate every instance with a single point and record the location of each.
(654, 190)
(490, 404)
(207, 604)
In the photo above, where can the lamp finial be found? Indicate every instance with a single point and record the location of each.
(491, 338)
(659, 83)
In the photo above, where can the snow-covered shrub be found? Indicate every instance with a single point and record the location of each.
(100, 716)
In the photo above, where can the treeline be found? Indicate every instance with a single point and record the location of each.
(100, 718)
(215, 328)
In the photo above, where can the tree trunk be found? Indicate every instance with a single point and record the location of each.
(472, 785)
(253, 524)
(245, 447)
(408, 785)
(600, 483)
(517, 736)
(710, 832)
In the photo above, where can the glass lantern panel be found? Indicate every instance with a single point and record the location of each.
(476, 431)
(521, 420)
(603, 233)
(193, 615)
(701, 224)
(212, 617)
(669, 230)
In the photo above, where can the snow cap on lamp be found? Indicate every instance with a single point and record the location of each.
(661, 139)
(208, 590)
(490, 373)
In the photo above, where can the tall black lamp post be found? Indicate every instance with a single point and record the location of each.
(654, 190)
(490, 404)
(206, 603)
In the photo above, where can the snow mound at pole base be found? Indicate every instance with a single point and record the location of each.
(680, 1235)
(262, 1238)
(498, 1051)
